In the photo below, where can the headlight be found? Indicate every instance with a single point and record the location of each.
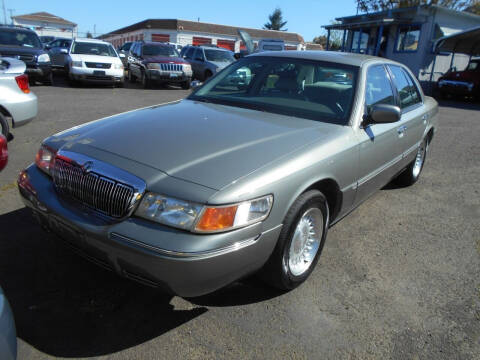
(203, 219)
(153, 66)
(187, 67)
(169, 211)
(118, 66)
(77, 64)
(44, 159)
(43, 58)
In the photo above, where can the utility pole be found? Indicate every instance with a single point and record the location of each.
(94, 30)
(4, 13)
(11, 14)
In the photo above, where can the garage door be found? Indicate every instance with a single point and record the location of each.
(290, 47)
(201, 40)
(226, 44)
(161, 37)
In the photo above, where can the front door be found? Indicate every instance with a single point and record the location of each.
(380, 149)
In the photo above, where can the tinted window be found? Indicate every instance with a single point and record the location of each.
(408, 38)
(161, 50)
(198, 54)
(19, 38)
(294, 87)
(126, 46)
(474, 65)
(407, 90)
(378, 87)
(219, 55)
(55, 43)
(189, 54)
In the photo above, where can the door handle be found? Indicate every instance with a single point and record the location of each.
(424, 118)
(401, 130)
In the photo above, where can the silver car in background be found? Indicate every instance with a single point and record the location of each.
(242, 176)
(18, 104)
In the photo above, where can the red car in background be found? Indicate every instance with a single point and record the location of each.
(462, 83)
(3, 152)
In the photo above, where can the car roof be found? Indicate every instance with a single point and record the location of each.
(16, 28)
(155, 43)
(330, 56)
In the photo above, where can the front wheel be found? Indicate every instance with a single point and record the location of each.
(186, 85)
(300, 242)
(412, 173)
(4, 127)
(145, 81)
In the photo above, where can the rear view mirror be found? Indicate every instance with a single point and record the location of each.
(384, 114)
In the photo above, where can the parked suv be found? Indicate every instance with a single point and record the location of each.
(206, 60)
(153, 62)
(464, 83)
(94, 61)
(23, 44)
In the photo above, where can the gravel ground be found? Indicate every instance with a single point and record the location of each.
(398, 278)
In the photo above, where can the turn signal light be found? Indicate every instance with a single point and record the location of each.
(214, 218)
(22, 82)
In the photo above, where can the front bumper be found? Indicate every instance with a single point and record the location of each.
(456, 87)
(97, 75)
(38, 71)
(179, 262)
(168, 76)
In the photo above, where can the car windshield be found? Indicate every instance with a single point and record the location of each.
(46, 39)
(219, 55)
(87, 48)
(474, 65)
(315, 90)
(19, 38)
(162, 50)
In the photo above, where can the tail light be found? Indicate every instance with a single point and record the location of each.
(22, 82)
(3, 152)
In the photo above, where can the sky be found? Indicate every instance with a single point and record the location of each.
(304, 16)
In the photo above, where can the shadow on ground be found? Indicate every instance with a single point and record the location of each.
(66, 306)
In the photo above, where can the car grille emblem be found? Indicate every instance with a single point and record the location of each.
(87, 167)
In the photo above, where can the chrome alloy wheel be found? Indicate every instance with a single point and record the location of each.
(305, 241)
(419, 159)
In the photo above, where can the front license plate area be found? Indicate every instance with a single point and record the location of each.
(65, 231)
(99, 72)
(173, 75)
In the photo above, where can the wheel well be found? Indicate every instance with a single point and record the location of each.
(331, 190)
(5, 113)
(430, 135)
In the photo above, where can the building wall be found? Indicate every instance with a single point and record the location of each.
(181, 37)
(43, 28)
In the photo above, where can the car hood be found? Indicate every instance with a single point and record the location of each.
(207, 144)
(95, 58)
(163, 59)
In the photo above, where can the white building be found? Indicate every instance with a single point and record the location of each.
(186, 32)
(46, 24)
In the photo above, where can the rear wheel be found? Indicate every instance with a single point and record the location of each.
(412, 173)
(131, 77)
(4, 127)
(300, 242)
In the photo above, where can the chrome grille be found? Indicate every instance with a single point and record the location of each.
(171, 67)
(97, 65)
(99, 192)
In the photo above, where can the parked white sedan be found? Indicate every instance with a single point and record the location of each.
(94, 61)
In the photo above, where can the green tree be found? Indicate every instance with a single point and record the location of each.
(379, 5)
(275, 21)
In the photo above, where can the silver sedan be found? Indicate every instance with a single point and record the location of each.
(242, 176)
(17, 102)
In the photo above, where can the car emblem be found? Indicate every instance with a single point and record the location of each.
(18, 57)
(87, 167)
(99, 65)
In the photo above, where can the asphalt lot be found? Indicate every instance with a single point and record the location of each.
(398, 278)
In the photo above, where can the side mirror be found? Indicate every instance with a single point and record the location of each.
(122, 55)
(383, 114)
(63, 51)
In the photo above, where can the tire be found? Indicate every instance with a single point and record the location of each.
(48, 80)
(208, 74)
(283, 270)
(145, 81)
(186, 85)
(120, 84)
(4, 127)
(131, 77)
(412, 173)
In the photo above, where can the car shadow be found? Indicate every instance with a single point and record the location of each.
(65, 306)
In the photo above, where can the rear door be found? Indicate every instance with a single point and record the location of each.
(380, 149)
(413, 122)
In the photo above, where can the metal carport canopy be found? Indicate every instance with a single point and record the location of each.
(464, 42)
